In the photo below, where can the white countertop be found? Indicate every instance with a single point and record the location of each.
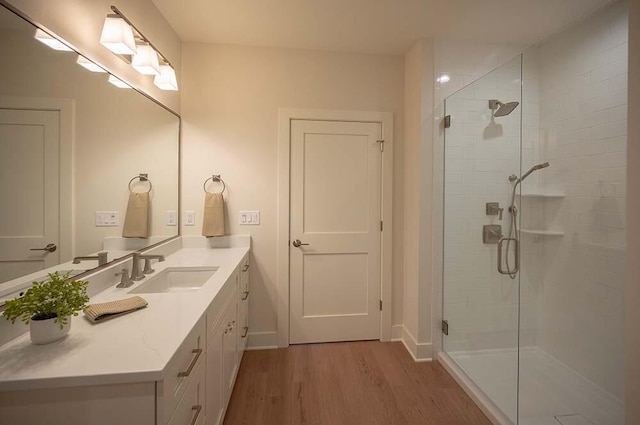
(132, 348)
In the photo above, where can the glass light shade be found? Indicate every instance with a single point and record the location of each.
(145, 61)
(86, 63)
(117, 36)
(118, 82)
(50, 41)
(166, 80)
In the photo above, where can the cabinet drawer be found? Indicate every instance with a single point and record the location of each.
(191, 408)
(180, 371)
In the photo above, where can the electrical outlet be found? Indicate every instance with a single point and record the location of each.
(107, 218)
(189, 218)
(172, 218)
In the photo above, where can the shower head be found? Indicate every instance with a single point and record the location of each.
(532, 169)
(502, 109)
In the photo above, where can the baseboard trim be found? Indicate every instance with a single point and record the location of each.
(262, 341)
(396, 333)
(488, 407)
(421, 352)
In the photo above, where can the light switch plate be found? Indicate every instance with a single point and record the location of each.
(172, 218)
(249, 217)
(189, 218)
(107, 218)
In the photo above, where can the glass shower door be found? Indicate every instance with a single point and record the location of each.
(482, 160)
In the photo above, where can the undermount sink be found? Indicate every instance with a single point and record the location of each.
(176, 279)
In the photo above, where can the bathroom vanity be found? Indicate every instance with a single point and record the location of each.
(174, 362)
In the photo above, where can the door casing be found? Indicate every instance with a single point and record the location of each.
(285, 116)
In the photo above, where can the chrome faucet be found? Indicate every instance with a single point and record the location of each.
(136, 274)
(101, 257)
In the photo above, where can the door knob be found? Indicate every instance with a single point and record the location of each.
(49, 248)
(298, 244)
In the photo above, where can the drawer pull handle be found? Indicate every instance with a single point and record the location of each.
(197, 408)
(246, 295)
(197, 352)
(245, 268)
(246, 329)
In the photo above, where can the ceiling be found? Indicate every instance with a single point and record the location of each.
(369, 26)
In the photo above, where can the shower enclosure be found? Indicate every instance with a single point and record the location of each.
(534, 198)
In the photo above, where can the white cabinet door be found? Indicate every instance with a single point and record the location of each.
(229, 350)
(214, 376)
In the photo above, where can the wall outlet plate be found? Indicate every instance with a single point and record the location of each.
(172, 218)
(249, 218)
(189, 218)
(107, 218)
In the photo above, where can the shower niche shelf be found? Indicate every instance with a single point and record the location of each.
(541, 195)
(541, 232)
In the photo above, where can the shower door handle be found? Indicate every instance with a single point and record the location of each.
(517, 256)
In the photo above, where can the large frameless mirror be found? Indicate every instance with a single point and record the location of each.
(76, 153)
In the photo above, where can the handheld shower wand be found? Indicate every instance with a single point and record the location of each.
(513, 224)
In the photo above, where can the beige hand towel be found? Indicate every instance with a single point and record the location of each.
(103, 311)
(213, 216)
(136, 222)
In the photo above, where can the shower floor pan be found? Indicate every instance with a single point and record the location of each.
(550, 392)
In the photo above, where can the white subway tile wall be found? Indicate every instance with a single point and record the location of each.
(583, 134)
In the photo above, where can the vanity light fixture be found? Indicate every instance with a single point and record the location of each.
(51, 41)
(117, 36)
(145, 61)
(167, 78)
(118, 82)
(86, 63)
(444, 78)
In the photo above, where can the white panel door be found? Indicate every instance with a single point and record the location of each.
(335, 209)
(29, 190)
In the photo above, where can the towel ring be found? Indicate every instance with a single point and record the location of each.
(214, 178)
(143, 178)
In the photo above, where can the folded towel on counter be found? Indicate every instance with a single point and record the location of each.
(103, 311)
(136, 221)
(213, 216)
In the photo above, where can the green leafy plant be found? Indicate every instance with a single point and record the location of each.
(58, 297)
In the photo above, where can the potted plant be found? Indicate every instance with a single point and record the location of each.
(47, 305)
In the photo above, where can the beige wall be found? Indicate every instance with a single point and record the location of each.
(231, 96)
(80, 23)
(633, 224)
(418, 187)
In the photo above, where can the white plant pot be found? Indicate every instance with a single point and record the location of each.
(46, 331)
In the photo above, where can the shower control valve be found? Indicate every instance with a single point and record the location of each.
(493, 208)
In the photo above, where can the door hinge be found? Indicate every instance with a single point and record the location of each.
(445, 327)
(380, 305)
(381, 142)
(381, 225)
(447, 121)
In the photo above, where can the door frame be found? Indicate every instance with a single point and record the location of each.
(285, 116)
(66, 109)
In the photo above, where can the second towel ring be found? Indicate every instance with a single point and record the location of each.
(143, 178)
(214, 178)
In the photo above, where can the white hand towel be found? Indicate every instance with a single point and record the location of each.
(136, 221)
(213, 216)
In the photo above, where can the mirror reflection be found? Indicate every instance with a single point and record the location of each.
(88, 170)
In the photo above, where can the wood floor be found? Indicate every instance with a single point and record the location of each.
(352, 383)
